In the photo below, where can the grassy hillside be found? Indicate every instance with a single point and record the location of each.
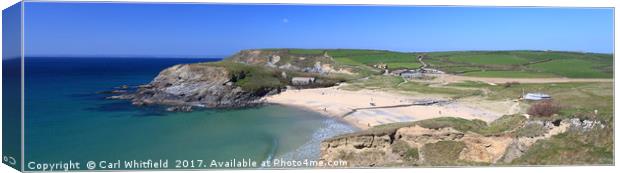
(519, 64)
(523, 64)
(257, 77)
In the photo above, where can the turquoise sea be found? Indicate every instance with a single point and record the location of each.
(66, 119)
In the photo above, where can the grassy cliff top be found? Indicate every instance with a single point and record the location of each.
(521, 63)
(504, 124)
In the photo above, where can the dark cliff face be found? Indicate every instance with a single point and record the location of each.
(196, 85)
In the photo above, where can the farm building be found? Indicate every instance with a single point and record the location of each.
(410, 74)
(421, 73)
(536, 96)
(302, 80)
(433, 71)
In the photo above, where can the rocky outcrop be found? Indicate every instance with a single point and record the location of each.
(399, 147)
(407, 146)
(284, 60)
(520, 144)
(415, 145)
(195, 85)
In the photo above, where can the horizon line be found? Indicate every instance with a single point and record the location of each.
(225, 56)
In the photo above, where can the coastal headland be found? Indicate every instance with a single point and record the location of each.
(420, 108)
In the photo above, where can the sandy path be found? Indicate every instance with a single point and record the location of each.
(448, 78)
(335, 102)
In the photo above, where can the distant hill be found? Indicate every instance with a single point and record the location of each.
(481, 63)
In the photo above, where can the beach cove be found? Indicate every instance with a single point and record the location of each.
(86, 126)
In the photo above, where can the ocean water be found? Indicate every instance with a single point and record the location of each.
(66, 119)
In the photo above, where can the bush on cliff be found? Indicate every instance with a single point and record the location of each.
(404, 150)
(544, 109)
(251, 77)
(443, 153)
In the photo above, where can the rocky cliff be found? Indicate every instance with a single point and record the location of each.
(419, 144)
(182, 87)
(415, 145)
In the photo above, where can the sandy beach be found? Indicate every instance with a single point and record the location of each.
(338, 103)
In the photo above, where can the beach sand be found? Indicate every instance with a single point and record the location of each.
(337, 103)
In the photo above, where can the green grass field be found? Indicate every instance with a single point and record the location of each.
(403, 65)
(523, 64)
(510, 64)
(511, 74)
(306, 51)
(490, 59)
(394, 60)
(575, 68)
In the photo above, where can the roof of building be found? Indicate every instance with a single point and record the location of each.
(536, 96)
(300, 78)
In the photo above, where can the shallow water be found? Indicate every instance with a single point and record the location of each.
(67, 120)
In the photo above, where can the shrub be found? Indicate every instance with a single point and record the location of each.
(403, 149)
(442, 153)
(510, 84)
(544, 109)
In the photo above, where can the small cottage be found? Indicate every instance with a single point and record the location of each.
(302, 80)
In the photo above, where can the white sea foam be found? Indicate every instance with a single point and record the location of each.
(311, 149)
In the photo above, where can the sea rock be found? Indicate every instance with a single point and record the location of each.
(120, 97)
(119, 91)
(179, 108)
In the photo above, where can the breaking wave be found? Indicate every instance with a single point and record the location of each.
(311, 149)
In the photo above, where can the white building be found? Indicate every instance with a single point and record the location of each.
(302, 80)
(536, 96)
(411, 74)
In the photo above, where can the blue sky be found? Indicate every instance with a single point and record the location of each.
(204, 30)
(11, 36)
